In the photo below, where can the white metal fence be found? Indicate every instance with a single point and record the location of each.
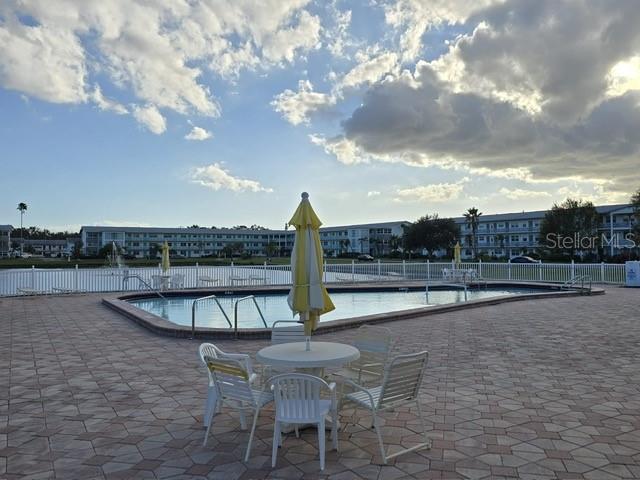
(44, 281)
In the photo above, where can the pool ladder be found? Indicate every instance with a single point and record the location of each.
(194, 306)
(235, 313)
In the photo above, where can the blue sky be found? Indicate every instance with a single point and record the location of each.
(221, 114)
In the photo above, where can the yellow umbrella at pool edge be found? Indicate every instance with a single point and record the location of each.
(456, 253)
(165, 258)
(308, 296)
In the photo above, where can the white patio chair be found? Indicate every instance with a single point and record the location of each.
(297, 401)
(375, 344)
(156, 282)
(400, 386)
(286, 331)
(212, 403)
(177, 280)
(231, 379)
(283, 331)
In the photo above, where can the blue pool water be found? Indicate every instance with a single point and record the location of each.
(274, 307)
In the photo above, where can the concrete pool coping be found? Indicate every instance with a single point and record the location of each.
(160, 326)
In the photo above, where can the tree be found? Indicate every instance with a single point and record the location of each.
(500, 238)
(271, 249)
(431, 234)
(569, 227)
(22, 208)
(472, 217)
(362, 240)
(77, 249)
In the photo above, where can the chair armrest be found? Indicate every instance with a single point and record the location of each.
(244, 358)
(332, 386)
(362, 389)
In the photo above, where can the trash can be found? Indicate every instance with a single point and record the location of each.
(632, 274)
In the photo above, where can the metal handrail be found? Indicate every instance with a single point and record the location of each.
(193, 312)
(235, 312)
(574, 280)
(127, 277)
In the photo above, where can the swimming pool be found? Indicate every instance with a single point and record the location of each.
(274, 307)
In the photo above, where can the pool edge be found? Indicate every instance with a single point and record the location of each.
(163, 327)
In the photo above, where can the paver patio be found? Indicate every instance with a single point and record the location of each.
(537, 389)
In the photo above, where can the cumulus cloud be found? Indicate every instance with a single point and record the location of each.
(198, 133)
(214, 176)
(297, 107)
(374, 193)
(151, 118)
(434, 193)
(160, 52)
(370, 70)
(106, 103)
(523, 194)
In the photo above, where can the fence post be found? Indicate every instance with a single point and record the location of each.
(540, 270)
(601, 272)
(75, 278)
(264, 273)
(324, 271)
(428, 270)
(197, 274)
(353, 271)
(480, 267)
(509, 270)
(404, 269)
(573, 269)
(379, 270)
(33, 277)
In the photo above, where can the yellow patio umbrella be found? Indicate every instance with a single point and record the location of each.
(308, 296)
(165, 258)
(456, 253)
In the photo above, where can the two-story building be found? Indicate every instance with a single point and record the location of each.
(5, 240)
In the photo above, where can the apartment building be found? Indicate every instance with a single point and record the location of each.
(509, 234)
(5, 240)
(375, 238)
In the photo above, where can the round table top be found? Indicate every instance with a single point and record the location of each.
(322, 354)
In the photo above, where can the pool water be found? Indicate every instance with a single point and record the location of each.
(274, 307)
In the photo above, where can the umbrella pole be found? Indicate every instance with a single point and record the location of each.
(305, 316)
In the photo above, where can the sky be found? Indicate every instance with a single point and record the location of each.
(221, 112)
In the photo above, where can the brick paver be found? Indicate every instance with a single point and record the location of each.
(537, 389)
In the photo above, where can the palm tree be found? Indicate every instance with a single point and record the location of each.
(472, 217)
(22, 208)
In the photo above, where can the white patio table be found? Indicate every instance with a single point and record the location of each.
(295, 355)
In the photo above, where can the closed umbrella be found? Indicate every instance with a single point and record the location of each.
(456, 253)
(308, 297)
(165, 258)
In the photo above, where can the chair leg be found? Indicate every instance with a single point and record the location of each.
(427, 440)
(210, 405)
(276, 443)
(206, 435)
(321, 439)
(253, 431)
(376, 423)
(297, 430)
(243, 416)
(334, 429)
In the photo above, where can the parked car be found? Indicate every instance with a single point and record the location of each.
(523, 259)
(365, 258)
